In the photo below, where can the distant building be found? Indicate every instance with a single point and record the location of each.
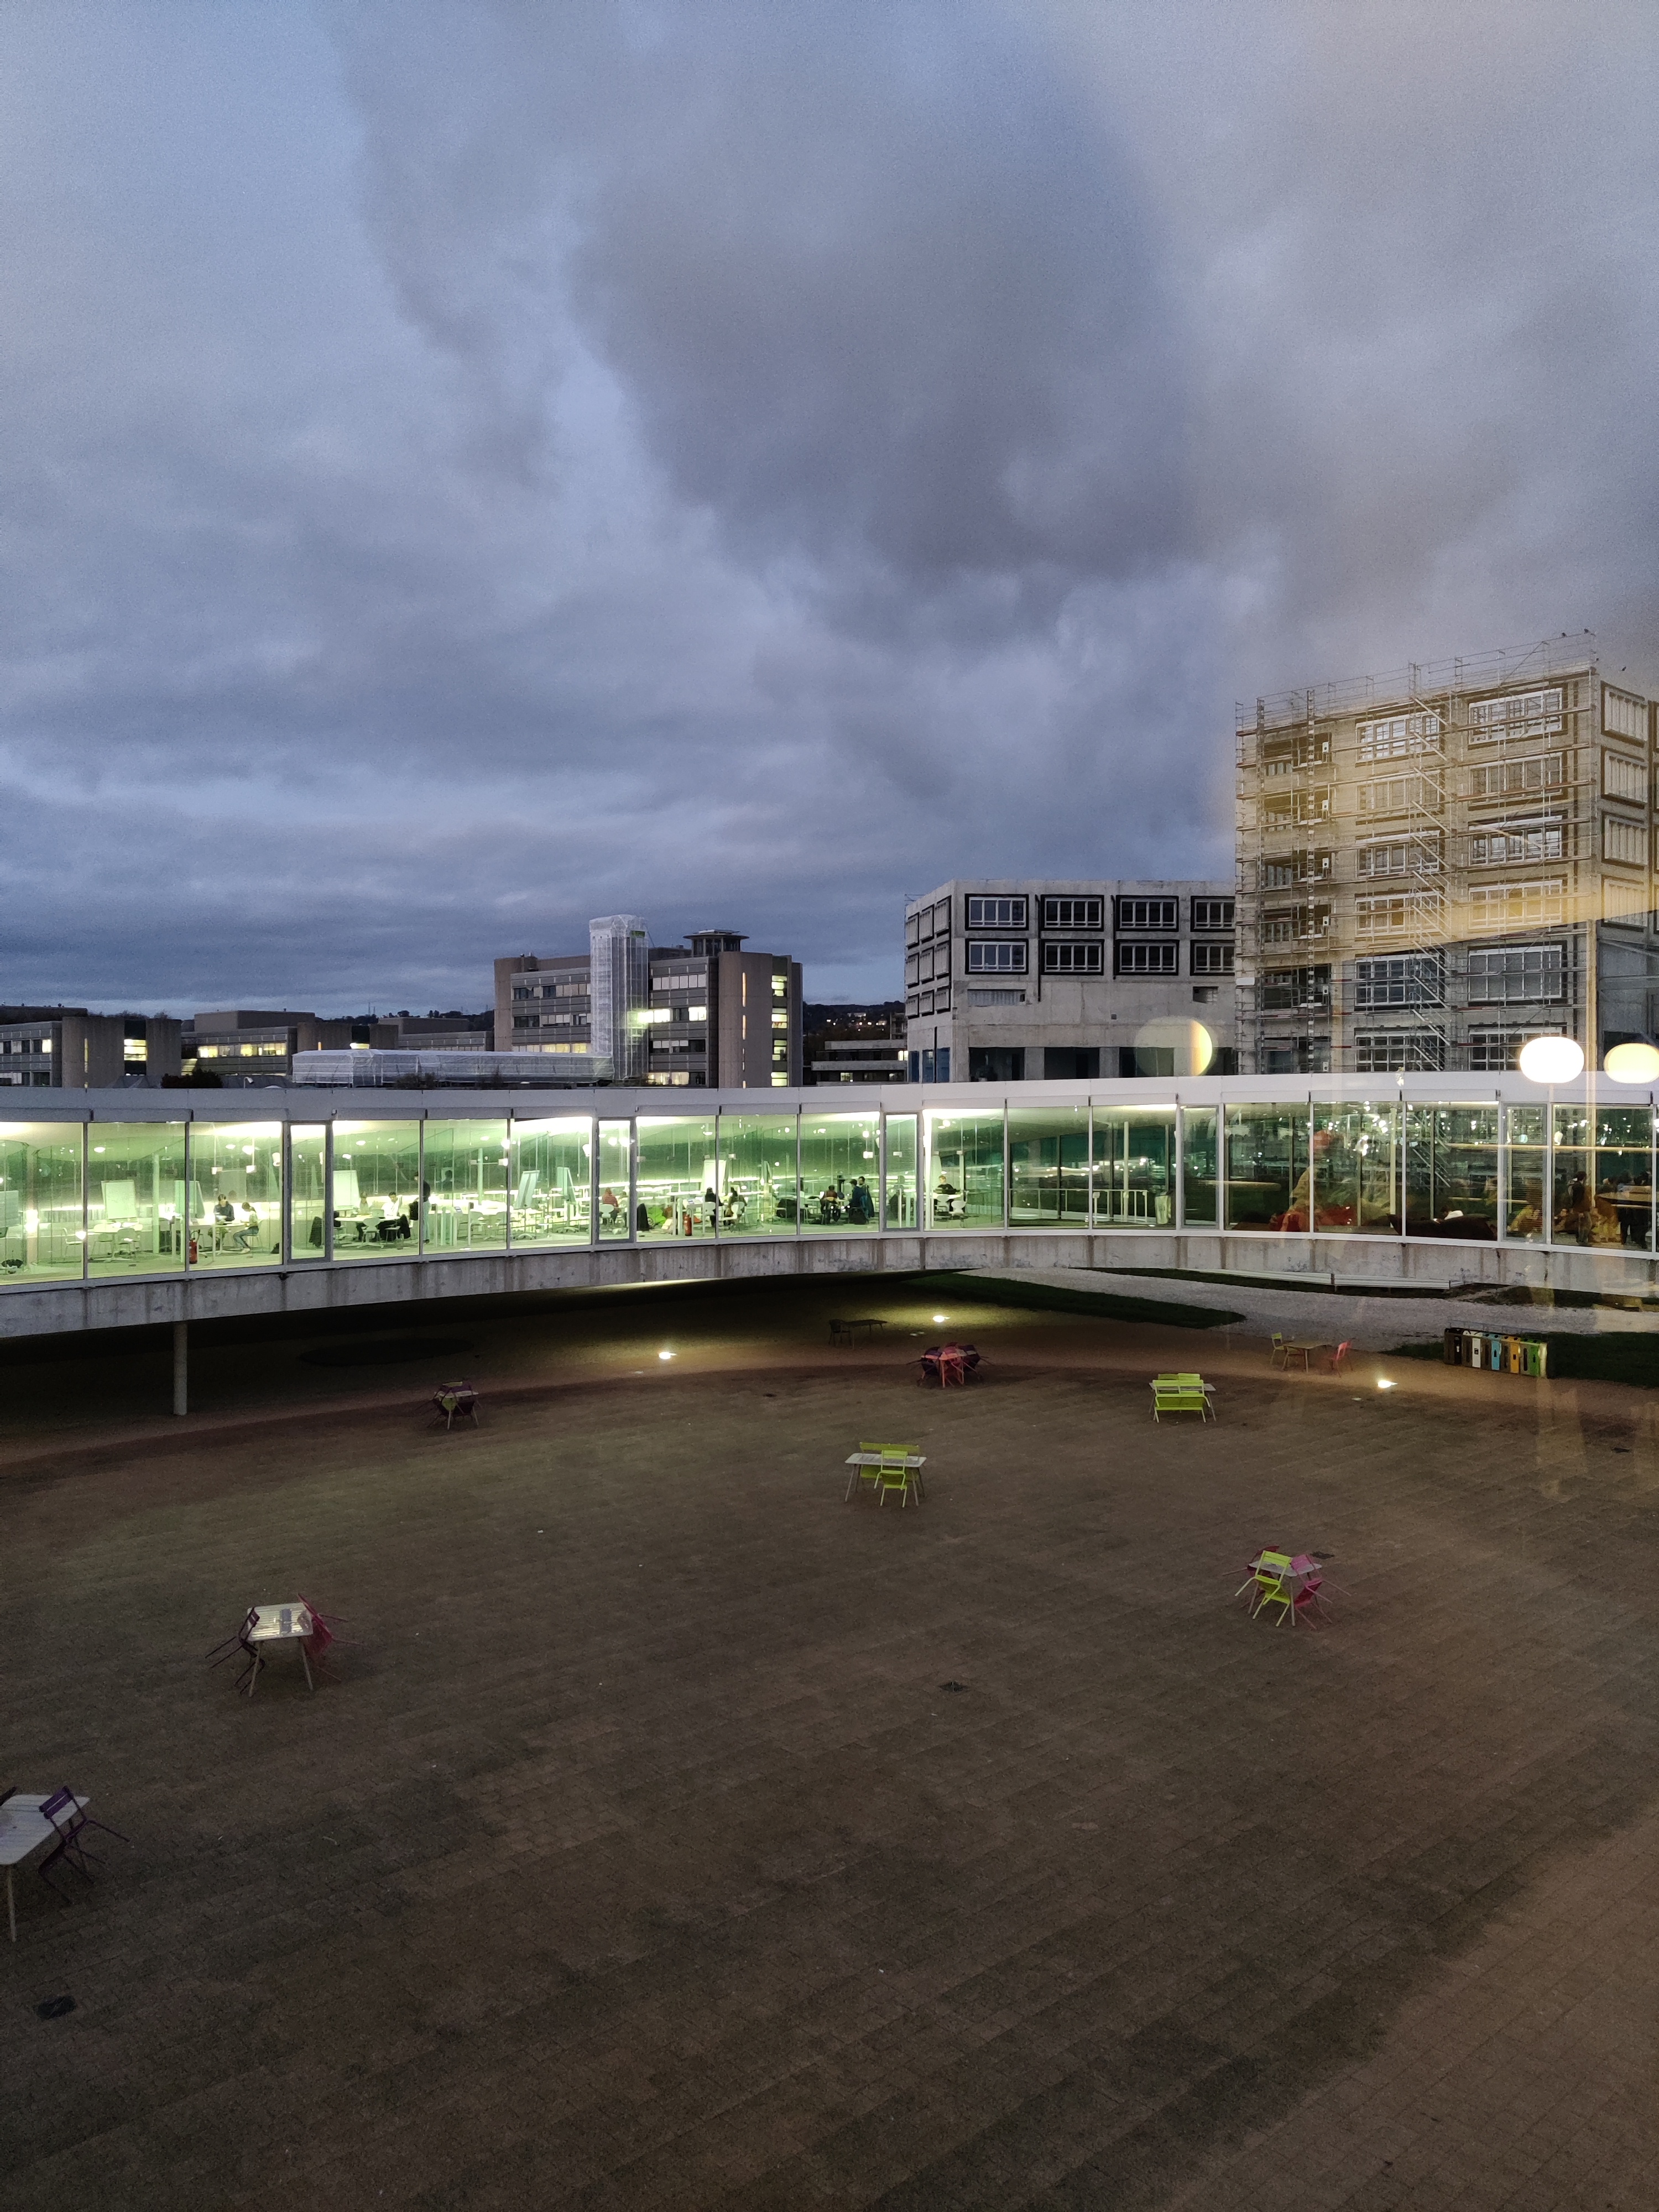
(436, 1032)
(855, 1043)
(1011, 982)
(255, 1047)
(708, 1015)
(67, 1048)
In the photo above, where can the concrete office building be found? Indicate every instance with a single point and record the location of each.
(1008, 981)
(1436, 865)
(255, 1047)
(67, 1048)
(706, 1015)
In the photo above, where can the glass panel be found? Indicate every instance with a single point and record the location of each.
(552, 1172)
(676, 1177)
(1134, 1166)
(41, 1232)
(1624, 1172)
(237, 1168)
(307, 1190)
(758, 1190)
(464, 1187)
(839, 1176)
(1356, 1169)
(615, 1159)
(901, 1170)
(964, 1171)
(1198, 1166)
(1267, 1176)
(1603, 1197)
(136, 1199)
(1526, 1201)
(377, 1189)
(1048, 1168)
(1451, 1172)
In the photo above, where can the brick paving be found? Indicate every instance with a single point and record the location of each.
(636, 1856)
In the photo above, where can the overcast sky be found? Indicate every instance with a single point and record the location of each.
(465, 468)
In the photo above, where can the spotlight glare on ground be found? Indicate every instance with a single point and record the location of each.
(665, 1355)
(1382, 1384)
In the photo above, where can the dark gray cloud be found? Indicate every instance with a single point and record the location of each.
(467, 467)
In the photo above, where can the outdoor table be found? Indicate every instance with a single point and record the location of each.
(288, 1623)
(456, 1398)
(1307, 1347)
(949, 1362)
(23, 1829)
(869, 1324)
(913, 1463)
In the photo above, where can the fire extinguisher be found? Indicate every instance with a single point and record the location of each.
(193, 1251)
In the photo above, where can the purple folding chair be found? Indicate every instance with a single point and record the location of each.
(70, 1824)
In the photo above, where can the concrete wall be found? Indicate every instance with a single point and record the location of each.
(322, 1288)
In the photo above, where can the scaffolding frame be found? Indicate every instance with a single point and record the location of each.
(1368, 815)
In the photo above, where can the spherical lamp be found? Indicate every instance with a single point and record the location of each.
(1172, 1046)
(1551, 1060)
(1632, 1063)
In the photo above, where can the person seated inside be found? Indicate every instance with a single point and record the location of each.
(224, 1215)
(246, 1232)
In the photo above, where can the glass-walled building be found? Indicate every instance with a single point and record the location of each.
(174, 1194)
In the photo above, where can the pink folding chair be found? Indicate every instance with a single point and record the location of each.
(1341, 1354)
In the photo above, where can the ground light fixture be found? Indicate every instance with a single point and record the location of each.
(1632, 1063)
(941, 1317)
(1384, 1382)
(665, 1355)
(1549, 1059)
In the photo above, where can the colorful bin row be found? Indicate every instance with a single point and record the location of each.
(1499, 1355)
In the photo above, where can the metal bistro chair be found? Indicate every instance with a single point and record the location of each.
(70, 1824)
(1281, 1353)
(893, 1474)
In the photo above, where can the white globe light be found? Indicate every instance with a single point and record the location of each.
(1172, 1046)
(1632, 1063)
(1551, 1060)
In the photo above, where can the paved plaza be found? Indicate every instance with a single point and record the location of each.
(672, 1834)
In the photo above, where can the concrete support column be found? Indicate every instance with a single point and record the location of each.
(181, 1367)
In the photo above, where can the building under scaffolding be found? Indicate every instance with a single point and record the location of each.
(1434, 866)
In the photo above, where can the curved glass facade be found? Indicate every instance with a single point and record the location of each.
(93, 1200)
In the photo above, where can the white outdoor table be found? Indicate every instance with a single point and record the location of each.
(913, 1463)
(23, 1829)
(289, 1622)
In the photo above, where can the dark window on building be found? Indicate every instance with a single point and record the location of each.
(1070, 1063)
(996, 1063)
(1212, 959)
(1149, 959)
(1147, 913)
(1074, 912)
(1212, 914)
(1000, 913)
(1413, 980)
(1391, 1052)
(1074, 960)
(1296, 987)
(989, 957)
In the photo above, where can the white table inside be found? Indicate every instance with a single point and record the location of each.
(23, 1829)
(289, 1622)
